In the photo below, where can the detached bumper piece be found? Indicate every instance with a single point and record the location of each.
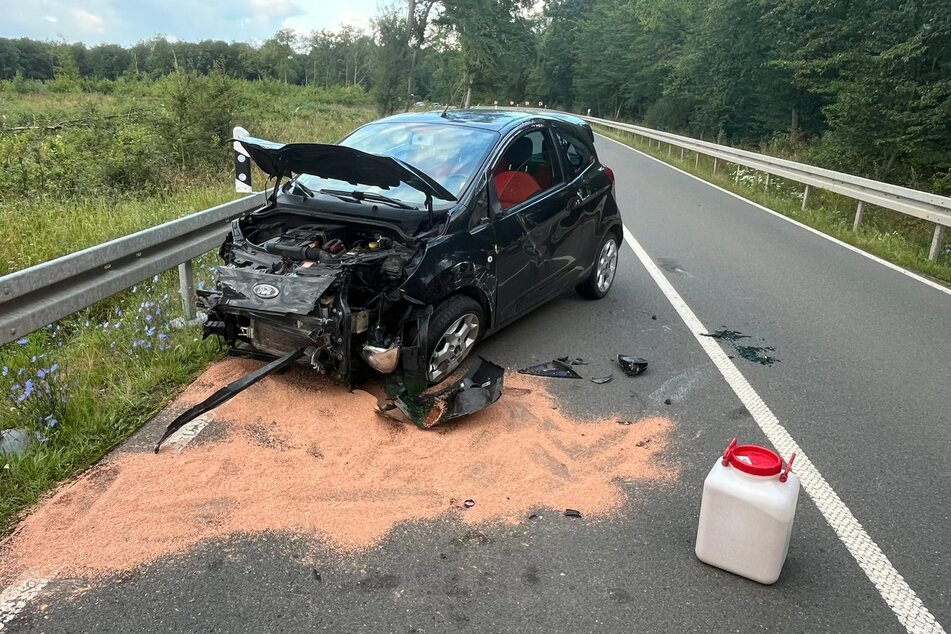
(479, 388)
(227, 392)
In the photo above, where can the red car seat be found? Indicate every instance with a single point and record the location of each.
(515, 186)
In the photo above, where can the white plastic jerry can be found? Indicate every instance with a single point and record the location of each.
(747, 512)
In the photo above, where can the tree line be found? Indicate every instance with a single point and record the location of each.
(860, 85)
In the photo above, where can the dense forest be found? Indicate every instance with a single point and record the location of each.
(859, 85)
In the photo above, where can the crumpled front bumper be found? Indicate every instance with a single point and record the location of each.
(276, 314)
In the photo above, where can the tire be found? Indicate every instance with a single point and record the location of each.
(596, 286)
(454, 328)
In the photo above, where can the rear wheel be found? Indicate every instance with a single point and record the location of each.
(601, 277)
(454, 328)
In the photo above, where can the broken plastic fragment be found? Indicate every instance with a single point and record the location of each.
(479, 388)
(556, 369)
(601, 380)
(572, 513)
(469, 504)
(232, 389)
(632, 366)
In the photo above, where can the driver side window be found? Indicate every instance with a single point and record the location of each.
(525, 170)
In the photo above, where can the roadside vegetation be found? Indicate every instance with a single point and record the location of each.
(79, 167)
(901, 239)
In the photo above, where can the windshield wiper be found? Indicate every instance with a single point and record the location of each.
(360, 196)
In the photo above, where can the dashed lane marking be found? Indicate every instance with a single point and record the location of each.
(896, 592)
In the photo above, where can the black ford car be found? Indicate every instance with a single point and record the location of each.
(412, 238)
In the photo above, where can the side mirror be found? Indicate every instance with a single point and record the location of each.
(492, 197)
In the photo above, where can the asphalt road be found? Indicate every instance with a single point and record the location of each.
(862, 385)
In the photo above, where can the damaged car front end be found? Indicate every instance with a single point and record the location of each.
(323, 272)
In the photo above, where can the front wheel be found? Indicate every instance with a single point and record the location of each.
(454, 328)
(601, 277)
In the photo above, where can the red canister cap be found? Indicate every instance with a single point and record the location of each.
(753, 459)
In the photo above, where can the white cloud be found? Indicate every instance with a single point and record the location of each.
(50, 18)
(88, 22)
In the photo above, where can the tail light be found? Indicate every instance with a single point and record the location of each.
(610, 174)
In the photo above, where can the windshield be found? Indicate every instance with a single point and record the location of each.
(449, 154)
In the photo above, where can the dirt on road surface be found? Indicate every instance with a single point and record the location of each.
(302, 455)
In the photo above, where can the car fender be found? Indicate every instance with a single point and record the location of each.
(446, 269)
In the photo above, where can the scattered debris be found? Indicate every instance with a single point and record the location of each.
(632, 366)
(469, 504)
(572, 513)
(728, 335)
(13, 442)
(667, 401)
(625, 422)
(642, 443)
(232, 389)
(480, 387)
(533, 516)
(601, 380)
(756, 354)
(556, 369)
(572, 361)
(654, 317)
(316, 574)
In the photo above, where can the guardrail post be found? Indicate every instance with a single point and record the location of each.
(186, 286)
(696, 160)
(681, 153)
(670, 148)
(736, 176)
(767, 180)
(858, 215)
(936, 242)
(716, 162)
(805, 197)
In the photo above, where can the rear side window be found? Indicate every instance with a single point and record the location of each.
(575, 153)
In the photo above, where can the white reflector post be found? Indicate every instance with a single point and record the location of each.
(242, 163)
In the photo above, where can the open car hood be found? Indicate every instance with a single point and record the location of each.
(339, 162)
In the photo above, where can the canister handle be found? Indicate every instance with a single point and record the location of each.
(728, 452)
(785, 473)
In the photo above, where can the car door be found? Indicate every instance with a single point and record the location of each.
(579, 227)
(523, 228)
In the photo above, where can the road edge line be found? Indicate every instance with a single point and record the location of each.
(892, 587)
(801, 225)
(15, 597)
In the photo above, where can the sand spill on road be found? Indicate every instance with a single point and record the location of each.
(305, 456)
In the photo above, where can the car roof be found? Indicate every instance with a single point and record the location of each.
(498, 120)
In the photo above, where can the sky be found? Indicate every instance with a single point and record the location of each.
(129, 21)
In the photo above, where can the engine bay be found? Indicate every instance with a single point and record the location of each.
(292, 283)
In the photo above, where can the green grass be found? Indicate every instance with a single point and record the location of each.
(892, 236)
(100, 374)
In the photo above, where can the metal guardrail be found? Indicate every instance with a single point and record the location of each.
(42, 294)
(912, 202)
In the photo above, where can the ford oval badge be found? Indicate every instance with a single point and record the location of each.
(266, 291)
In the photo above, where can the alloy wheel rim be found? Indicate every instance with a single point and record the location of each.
(453, 346)
(607, 265)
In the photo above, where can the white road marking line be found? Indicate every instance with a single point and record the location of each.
(903, 601)
(854, 249)
(186, 434)
(15, 598)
